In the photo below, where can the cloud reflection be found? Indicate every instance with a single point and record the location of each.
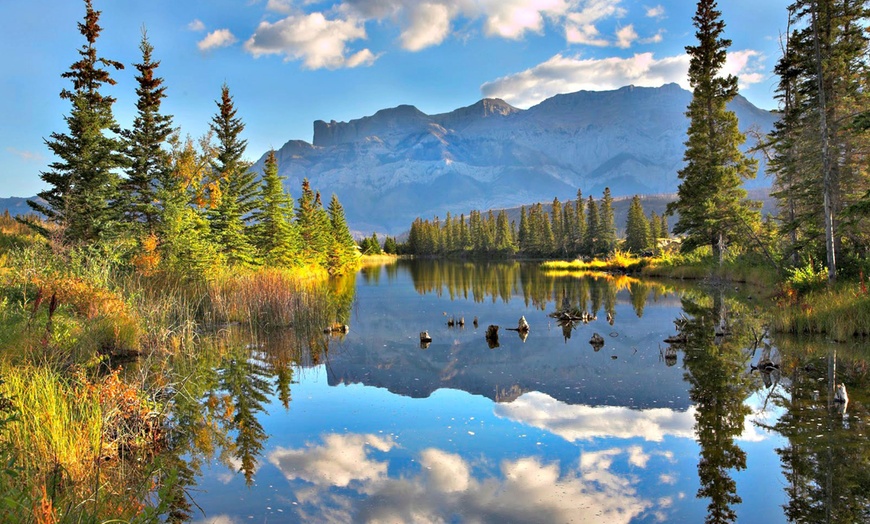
(341, 460)
(578, 422)
(446, 488)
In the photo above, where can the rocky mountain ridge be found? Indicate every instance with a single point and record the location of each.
(400, 163)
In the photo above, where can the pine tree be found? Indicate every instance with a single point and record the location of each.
(820, 164)
(655, 228)
(710, 199)
(275, 235)
(314, 232)
(236, 184)
(344, 254)
(606, 224)
(145, 145)
(580, 222)
(503, 238)
(637, 229)
(83, 181)
(590, 239)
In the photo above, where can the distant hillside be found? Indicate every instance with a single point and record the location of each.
(15, 205)
(401, 163)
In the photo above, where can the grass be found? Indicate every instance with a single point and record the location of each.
(841, 312)
(619, 261)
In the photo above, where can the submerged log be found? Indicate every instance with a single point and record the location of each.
(424, 336)
(492, 332)
(523, 325)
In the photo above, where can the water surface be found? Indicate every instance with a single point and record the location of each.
(727, 423)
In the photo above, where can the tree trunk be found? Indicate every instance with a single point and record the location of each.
(827, 175)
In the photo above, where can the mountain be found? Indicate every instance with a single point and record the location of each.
(16, 205)
(400, 163)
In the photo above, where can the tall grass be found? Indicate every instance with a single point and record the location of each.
(841, 313)
(619, 261)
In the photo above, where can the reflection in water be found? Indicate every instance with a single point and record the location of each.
(826, 461)
(450, 488)
(549, 430)
(715, 363)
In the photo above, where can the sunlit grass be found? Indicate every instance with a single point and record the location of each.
(841, 313)
(619, 261)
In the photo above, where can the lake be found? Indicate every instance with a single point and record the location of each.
(724, 423)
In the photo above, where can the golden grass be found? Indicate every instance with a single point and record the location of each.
(841, 313)
(619, 261)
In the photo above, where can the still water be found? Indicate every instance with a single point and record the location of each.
(725, 423)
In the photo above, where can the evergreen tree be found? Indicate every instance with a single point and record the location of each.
(237, 186)
(607, 224)
(145, 145)
(580, 222)
(590, 240)
(558, 228)
(344, 254)
(655, 228)
(523, 233)
(276, 237)
(83, 182)
(390, 246)
(503, 239)
(710, 199)
(819, 161)
(637, 230)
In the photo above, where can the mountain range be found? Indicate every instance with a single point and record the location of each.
(400, 163)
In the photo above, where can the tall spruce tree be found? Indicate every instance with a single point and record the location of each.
(343, 254)
(711, 199)
(637, 229)
(236, 184)
(313, 224)
(820, 160)
(145, 146)
(276, 237)
(83, 181)
(593, 229)
(606, 223)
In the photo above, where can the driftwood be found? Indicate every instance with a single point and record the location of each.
(337, 328)
(522, 326)
(840, 395)
(424, 336)
(677, 339)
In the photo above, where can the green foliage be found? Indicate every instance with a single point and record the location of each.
(711, 199)
(148, 161)
(83, 180)
(807, 278)
(637, 230)
(275, 234)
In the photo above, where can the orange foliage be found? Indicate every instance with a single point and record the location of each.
(147, 261)
(85, 298)
(44, 512)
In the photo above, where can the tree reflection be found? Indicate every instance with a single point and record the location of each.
(716, 363)
(514, 280)
(245, 382)
(827, 461)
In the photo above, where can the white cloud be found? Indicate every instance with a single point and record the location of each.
(27, 156)
(317, 41)
(562, 74)
(341, 460)
(428, 24)
(654, 39)
(586, 34)
(626, 36)
(280, 6)
(747, 65)
(578, 422)
(196, 25)
(514, 18)
(218, 38)
(655, 12)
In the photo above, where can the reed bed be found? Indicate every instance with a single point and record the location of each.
(841, 313)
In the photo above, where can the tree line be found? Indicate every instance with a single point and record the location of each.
(576, 228)
(817, 154)
(177, 203)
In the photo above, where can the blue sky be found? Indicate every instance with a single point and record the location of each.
(290, 62)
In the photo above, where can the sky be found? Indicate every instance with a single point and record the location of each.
(291, 62)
